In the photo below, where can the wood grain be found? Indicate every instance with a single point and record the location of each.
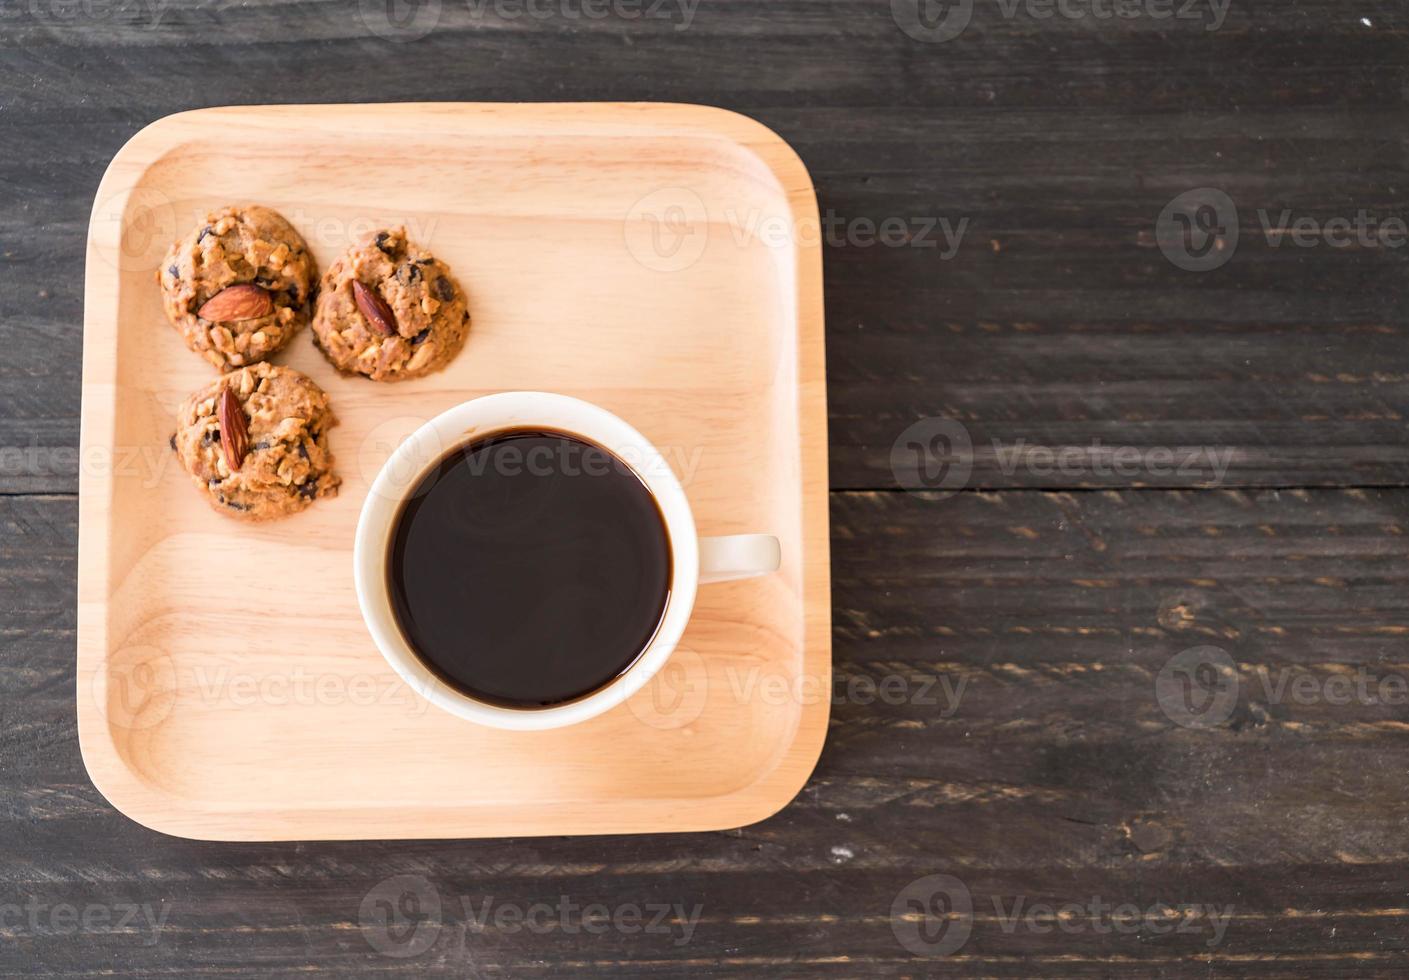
(195, 724)
(1056, 778)
(1057, 322)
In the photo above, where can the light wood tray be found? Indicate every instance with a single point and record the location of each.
(660, 260)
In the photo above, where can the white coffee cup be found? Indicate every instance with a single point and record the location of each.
(694, 559)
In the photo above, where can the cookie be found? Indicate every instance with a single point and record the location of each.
(237, 287)
(255, 442)
(390, 310)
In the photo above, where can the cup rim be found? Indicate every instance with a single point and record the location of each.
(478, 418)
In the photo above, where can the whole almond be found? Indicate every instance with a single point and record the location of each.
(374, 308)
(244, 302)
(234, 430)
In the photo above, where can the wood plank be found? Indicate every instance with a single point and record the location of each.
(1057, 323)
(1057, 777)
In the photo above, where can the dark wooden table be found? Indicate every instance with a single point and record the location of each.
(1129, 639)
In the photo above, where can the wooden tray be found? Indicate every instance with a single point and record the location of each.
(660, 260)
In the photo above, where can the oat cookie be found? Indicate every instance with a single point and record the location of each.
(390, 310)
(237, 287)
(256, 442)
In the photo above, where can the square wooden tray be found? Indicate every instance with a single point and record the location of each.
(660, 260)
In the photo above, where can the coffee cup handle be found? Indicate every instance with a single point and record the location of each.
(731, 556)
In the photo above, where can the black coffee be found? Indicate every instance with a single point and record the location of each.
(529, 568)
